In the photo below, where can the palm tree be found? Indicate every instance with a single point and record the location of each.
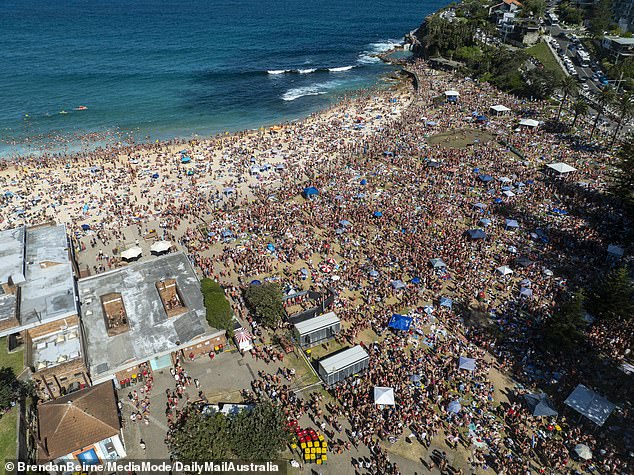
(580, 108)
(625, 110)
(569, 87)
(606, 96)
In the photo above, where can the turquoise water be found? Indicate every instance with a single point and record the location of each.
(166, 68)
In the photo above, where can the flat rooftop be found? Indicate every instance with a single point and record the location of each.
(11, 253)
(151, 332)
(56, 349)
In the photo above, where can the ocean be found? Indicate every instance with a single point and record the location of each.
(166, 68)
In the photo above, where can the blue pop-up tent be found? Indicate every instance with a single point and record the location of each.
(446, 302)
(345, 222)
(226, 233)
(400, 322)
(374, 273)
(454, 407)
(480, 206)
(485, 178)
(398, 284)
(511, 224)
(85, 227)
(416, 280)
(155, 175)
(476, 234)
(186, 159)
(485, 222)
(270, 247)
(364, 182)
(310, 191)
(377, 214)
(466, 363)
(540, 405)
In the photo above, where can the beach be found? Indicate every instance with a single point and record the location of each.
(402, 178)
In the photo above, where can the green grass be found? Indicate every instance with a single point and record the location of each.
(218, 308)
(8, 437)
(14, 360)
(542, 53)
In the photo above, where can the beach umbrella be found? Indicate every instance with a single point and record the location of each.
(132, 253)
(160, 246)
(504, 270)
(526, 293)
(415, 378)
(373, 273)
(507, 188)
(583, 451)
(485, 178)
(504, 179)
(512, 249)
(485, 222)
(377, 214)
(270, 247)
(416, 280)
(340, 230)
(310, 191)
(428, 309)
(85, 227)
(476, 234)
(454, 407)
(8, 194)
(511, 224)
(364, 182)
(186, 159)
(345, 222)
(508, 193)
(526, 283)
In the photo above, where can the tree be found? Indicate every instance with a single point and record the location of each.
(612, 296)
(259, 434)
(218, 310)
(606, 96)
(201, 437)
(541, 81)
(623, 183)
(265, 300)
(9, 388)
(569, 87)
(601, 17)
(537, 7)
(580, 108)
(625, 111)
(562, 332)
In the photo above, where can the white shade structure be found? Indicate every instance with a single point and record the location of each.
(161, 246)
(500, 109)
(504, 270)
(132, 253)
(561, 168)
(452, 93)
(384, 396)
(529, 123)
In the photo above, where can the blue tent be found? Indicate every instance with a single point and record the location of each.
(8, 194)
(497, 200)
(511, 224)
(559, 211)
(480, 206)
(400, 322)
(415, 378)
(364, 182)
(454, 406)
(446, 302)
(340, 230)
(481, 118)
(310, 191)
(226, 233)
(85, 208)
(485, 178)
(373, 273)
(186, 159)
(507, 188)
(476, 170)
(345, 222)
(85, 227)
(190, 172)
(155, 175)
(416, 280)
(476, 234)
(540, 405)
(304, 271)
(377, 214)
(466, 363)
(398, 284)
(256, 282)
(270, 247)
(485, 222)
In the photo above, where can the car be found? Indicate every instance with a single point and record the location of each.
(585, 87)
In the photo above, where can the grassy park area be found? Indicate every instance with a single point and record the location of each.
(542, 53)
(15, 361)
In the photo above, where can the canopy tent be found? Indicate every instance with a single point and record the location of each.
(540, 405)
(590, 404)
(384, 396)
(504, 270)
(373, 273)
(485, 222)
(454, 407)
(452, 96)
(160, 246)
(466, 363)
(279, 166)
(85, 227)
(446, 302)
(310, 191)
(583, 451)
(500, 109)
(256, 282)
(526, 292)
(615, 251)
(523, 261)
(437, 263)
(400, 322)
(529, 123)
(345, 222)
(226, 233)
(480, 206)
(416, 280)
(363, 182)
(504, 179)
(485, 178)
(377, 214)
(526, 283)
(511, 224)
(243, 340)
(476, 234)
(508, 193)
(132, 253)
(398, 284)
(186, 159)
(561, 168)
(452, 93)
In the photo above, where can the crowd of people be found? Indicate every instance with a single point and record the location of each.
(401, 176)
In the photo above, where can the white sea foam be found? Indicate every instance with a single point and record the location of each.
(298, 92)
(368, 56)
(339, 69)
(279, 71)
(306, 71)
